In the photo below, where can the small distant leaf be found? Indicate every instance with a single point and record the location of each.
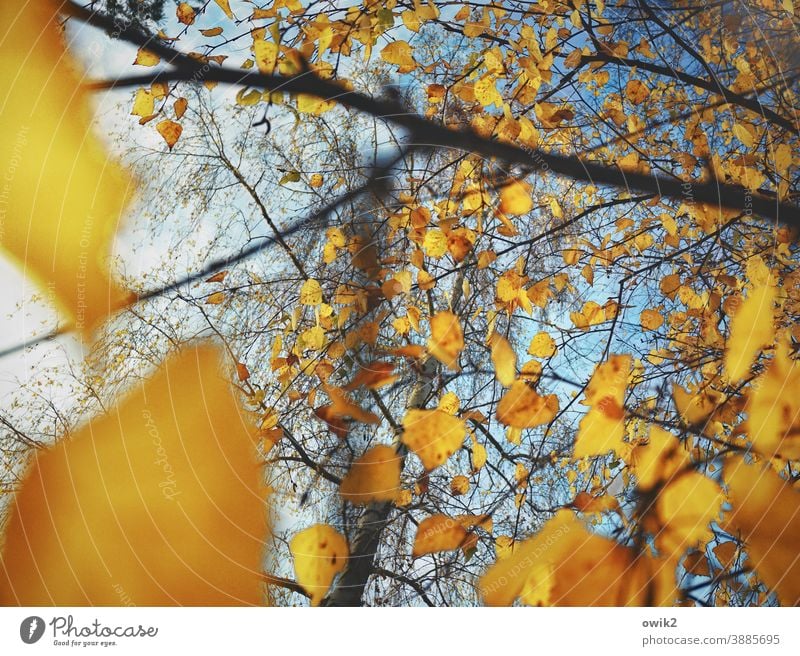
(170, 131)
(291, 176)
(185, 13)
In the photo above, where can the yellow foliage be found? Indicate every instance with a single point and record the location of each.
(375, 476)
(504, 359)
(515, 198)
(66, 197)
(320, 553)
(433, 435)
(542, 346)
(766, 514)
(522, 407)
(564, 565)
(153, 497)
(447, 339)
(773, 408)
(751, 330)
(438, 533)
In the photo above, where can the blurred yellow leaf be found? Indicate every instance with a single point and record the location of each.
(564, 565)
(602, 428)
(515, 198)
(154, 498)
(433, 435)
(438, 533)
(522, 407)
(765, 512)
(504, 359)
(375, 476)
(773, 408)
(320, 553)
(447, 340)
(64, 195)
(751, 330)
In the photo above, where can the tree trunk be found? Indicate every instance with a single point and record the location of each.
(349, 590)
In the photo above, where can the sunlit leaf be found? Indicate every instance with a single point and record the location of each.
(320, 553)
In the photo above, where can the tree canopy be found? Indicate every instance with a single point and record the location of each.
(411, 302)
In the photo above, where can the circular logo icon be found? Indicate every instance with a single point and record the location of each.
(31, 629)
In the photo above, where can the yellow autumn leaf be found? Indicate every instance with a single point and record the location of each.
(515, 198)
(565, 565)
(542, 346)
(504, 360)
(438, 533)
(373, 375)
(146, 58)
(143, 104)
(447, 339)
(602, 428)
(375, 476)
(522, 407)
(180, 107)
(320, 553)
(636, 91)
(214, 31)
(308, 104)
(66, 196)
(751, 330)
(486, 92)
(459, 485)
(743, 134)
(773, 408)
(153, 497)
(589, 315)
(170, 131)
(401, 55)
(479, 456)
(435, 243)
(311, 292)
(651, 319)
(226, 7)
(185, 13)
(765, 513)
(433, 435)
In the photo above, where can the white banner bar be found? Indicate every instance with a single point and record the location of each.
(400, 631)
